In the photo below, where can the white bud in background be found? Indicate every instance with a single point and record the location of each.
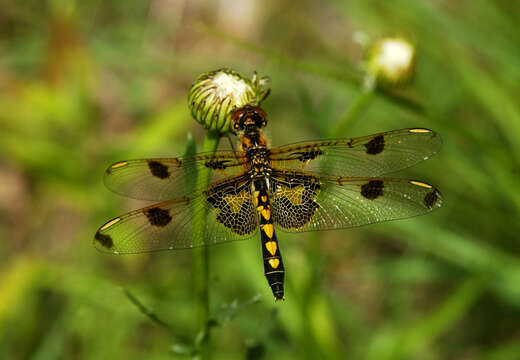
(391, 61)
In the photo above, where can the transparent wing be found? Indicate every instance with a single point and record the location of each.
(371, 155)
(228, 211)
(169, 178)
(307, 203)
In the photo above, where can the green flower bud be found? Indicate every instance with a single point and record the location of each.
(215, 95)
(390, 61)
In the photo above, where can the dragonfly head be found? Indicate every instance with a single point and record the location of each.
(248, 119)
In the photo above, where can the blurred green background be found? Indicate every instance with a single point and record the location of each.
(84, 84)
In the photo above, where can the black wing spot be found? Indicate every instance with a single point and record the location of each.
(376, 145)
(158, 217)
(216, 164)
(431, 199)
(104, 240)
(309, 155)
(373, 189)
(158, 169)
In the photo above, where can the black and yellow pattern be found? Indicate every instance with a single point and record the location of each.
(234, 206)
(273, 265)
(293, 199)
(331, 184)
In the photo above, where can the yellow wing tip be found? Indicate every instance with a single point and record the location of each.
(420, 131)
(110, 223)
(421, 184)
(118, 164)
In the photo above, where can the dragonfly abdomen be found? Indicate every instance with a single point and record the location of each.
(273, 265)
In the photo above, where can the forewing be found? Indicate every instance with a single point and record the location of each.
(371, 155)
(227, 210)
(169, 178)
(308, 203)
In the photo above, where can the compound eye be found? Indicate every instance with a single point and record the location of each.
(237, 119)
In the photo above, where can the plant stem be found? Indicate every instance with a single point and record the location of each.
(134, 300)
(201, 257)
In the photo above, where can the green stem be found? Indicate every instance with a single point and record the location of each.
(201, 258)
(142, 308)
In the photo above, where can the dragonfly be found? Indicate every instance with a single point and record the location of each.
(305, 186)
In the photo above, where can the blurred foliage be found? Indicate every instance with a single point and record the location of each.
(83, 84)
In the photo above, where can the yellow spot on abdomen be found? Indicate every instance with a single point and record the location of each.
(420, 131)
(274, 263)
(110, 223)
(269, 230)
(266, 213)
(264, 198)
(271, 247)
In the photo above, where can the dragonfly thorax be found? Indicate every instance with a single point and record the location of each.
(258, 158)
(260, 170)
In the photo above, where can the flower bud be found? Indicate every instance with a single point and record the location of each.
(391, 61)
(215, 95)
